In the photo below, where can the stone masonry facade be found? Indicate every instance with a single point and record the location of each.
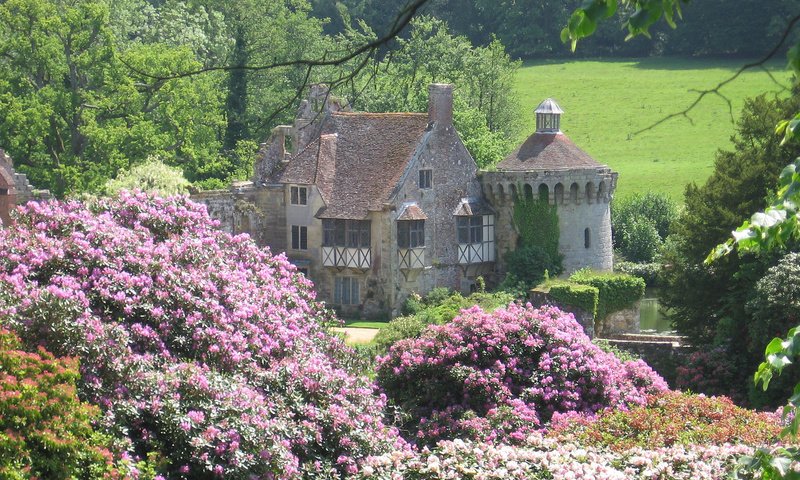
(373, 207)
(14, 189)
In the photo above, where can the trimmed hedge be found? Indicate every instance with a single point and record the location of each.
(617, 291)
(585, 297)
(647, 271)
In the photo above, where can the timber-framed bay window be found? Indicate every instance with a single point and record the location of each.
(346, 243)
(475, 235)
(411, 243)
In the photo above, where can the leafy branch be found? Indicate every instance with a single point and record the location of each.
(646, 13)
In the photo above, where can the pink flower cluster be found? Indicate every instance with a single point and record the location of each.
(196, 344)
(503, 375)
(546, 458)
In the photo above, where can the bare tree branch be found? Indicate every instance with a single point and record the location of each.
(716, 90)
(402, 19)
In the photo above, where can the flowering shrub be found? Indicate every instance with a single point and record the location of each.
(502, 375)
(540, 458)
(47, 431)
(675, 418)
(198, 346)
(714, 371)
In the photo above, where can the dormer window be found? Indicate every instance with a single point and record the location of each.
(425, 178)
(410, 233)
(299, 195)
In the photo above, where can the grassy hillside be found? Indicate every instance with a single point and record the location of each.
(606, 101)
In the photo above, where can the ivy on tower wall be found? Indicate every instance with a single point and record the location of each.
(537, 223)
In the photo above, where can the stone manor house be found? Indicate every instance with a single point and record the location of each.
(375, 206)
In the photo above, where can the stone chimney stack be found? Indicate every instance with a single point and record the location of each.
(440, 103)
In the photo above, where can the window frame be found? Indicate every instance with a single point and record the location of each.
(425, 179)
(346, 233)
(411, 234)
(349, 284)
(298, 195)
(299, 237)
(469, 229)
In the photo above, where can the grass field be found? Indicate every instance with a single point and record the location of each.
(364, 324)
(606, 101)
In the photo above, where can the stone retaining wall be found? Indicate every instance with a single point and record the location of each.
(662, 352)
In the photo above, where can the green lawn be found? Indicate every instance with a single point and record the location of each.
(364, 324)
(606, 101)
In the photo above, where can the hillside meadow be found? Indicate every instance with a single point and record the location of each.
(606, 101)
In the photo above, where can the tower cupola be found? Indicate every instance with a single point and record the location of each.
(548, 117)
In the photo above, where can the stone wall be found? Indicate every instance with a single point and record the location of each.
(582, 198)
(15, 189)
(620, 322)
(663, 353)
(8, 192)
(244, 208)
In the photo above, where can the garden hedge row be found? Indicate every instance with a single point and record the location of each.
(617, 291)
(585, 297)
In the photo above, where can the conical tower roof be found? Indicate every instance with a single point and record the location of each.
(548, 106)
(548, 148)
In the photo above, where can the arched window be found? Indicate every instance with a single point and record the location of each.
(512, 190)
(573, 193)
(601, 192)
(544, 192)
(589, 192)
(559, 192)
(528, 192)
(587, 238)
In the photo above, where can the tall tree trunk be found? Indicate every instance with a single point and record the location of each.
(236, 104)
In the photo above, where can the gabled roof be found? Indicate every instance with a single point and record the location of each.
(547, 151)
(411, 212)
(358, 160)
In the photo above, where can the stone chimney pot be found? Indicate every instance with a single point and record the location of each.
(440, 104)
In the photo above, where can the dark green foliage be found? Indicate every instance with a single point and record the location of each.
(528, 264)
(640, 223)
(537, 247)
(531, 28)
(615, 291)
(775, 307)
(584, 297)
(706, 301)
(639, 241)
(537, 224)
(649, 272)
(485, 114)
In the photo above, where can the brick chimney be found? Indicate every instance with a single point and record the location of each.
(440, 103)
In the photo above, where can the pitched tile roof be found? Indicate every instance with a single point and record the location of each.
(412, 212)
(358, 160)
(547, 151)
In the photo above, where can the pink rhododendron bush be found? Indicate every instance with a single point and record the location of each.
(196, 345)
(501, 376)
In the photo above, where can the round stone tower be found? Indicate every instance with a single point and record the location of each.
(549, 166)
